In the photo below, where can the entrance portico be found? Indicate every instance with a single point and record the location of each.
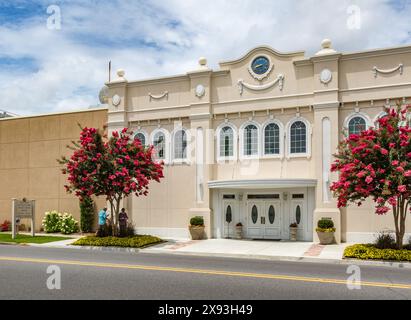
(266, 208)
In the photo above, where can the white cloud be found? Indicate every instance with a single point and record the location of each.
(156, 38)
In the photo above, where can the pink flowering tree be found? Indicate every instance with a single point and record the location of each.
(377, 164)
(115, 168)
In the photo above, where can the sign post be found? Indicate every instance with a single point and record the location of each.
(22, 209)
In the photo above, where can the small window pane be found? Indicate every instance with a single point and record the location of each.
(254, 214)
(228, 215)
(271, 214)
(250, 140)
(180, 145)
(298, 214)
(356, 125)
(226, 142)
(298, 139)
(272, 139)
(140, 136)
(159, 145)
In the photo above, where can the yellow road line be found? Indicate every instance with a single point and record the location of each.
(204, 271)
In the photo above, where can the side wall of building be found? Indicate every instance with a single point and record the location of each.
(29, 149)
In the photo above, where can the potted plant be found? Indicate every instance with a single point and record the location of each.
(325, 231)
(239, 230)
(197, 228)
(293, 231)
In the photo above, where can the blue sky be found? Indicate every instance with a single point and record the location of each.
(43, 70)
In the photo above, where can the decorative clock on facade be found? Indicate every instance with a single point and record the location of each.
(260, 67)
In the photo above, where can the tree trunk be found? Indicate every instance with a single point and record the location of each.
(115, 210)
(400, 215)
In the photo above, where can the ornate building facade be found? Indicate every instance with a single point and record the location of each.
(253, 141)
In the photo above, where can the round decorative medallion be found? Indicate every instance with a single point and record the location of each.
(200, 90)
(116, 100)
(326, 76)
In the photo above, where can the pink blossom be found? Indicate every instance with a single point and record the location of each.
(384, 151)
(402, 188)
(369, 179)
(407, 173)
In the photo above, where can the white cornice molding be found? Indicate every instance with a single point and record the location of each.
(326, 105)
(262, 183)
(376, 70)
(242, 84)
(263, 99)
(377, 87)
(158, 96)
(262, 48)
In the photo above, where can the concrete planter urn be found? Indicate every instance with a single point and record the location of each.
(239, 231)
(197, 228)
(197, 232)
(326, 237)
(293, 231)
(325, 231)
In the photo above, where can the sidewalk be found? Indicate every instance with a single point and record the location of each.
(270, 250)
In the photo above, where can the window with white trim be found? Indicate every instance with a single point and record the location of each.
(159, 142)
(226, 142)
(272, 139)
(250, 140)
(180, 144)
(356, 125)
(140, 136)
(298, 138)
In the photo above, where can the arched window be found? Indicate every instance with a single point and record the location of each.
(298, 138)
(356, 125)
(180, 144)
(142, 137)
(159, 142)
(272, 139)
(250, 140)
(227, 142)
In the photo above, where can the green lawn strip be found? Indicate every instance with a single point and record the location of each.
(21, 238)
(128, 242)
(370, 252)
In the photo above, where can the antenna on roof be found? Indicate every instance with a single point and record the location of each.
(109, 71)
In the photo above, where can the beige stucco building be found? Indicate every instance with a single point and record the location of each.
(252, 142)
(29, 149)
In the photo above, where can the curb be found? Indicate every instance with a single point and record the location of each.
(386, 264)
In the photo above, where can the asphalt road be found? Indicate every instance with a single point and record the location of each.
(89, 274)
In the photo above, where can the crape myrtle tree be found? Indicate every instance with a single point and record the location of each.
(115, 168)
(377, 164)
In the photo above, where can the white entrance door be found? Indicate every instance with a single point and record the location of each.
(272, 220)
(230, 217)
(264, 219)
(298, 213)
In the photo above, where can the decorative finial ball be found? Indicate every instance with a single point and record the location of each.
(202, 61)
(121, 73)
(326, 43)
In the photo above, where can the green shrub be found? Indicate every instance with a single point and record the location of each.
(87, 215)
(325, 224)
(51, 222)
(370, 252)
(197, 221)
(128, 242)
(68, 224)
(385, 240)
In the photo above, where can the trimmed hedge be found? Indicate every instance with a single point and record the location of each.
(370, 252)
(128, 242)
